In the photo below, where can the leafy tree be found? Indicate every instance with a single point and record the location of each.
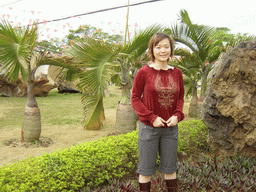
(228, 39)
(55, 45)
(89, 32)
(223, 34)
(18, 55)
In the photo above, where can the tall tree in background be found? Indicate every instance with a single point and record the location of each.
(18, 55)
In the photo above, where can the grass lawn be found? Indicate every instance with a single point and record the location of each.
(61, 118)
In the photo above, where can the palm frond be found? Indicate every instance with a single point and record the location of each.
(97, 59)
(93, 110)
(139, 44)
(16, 49)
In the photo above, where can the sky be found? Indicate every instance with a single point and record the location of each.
(238, 16)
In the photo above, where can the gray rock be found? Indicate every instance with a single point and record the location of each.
(229, 107)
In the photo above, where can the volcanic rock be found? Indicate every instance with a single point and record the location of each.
(229, 107)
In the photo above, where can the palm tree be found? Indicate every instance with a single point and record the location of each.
(202, 53)
(18, 56)
(105, 62)
(130, 59)
(98, 58)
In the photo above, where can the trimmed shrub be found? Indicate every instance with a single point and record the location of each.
(88, 164)
(192, 136)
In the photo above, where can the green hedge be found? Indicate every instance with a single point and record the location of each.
(89, 164)
(192, 136)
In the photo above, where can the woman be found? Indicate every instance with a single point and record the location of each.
(157, 98)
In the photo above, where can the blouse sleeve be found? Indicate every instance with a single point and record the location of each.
(138, 88)
(180, 100)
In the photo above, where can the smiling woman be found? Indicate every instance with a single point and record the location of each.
(158, 98)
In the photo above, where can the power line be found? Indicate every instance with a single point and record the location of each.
(98, 11)
(10, 3)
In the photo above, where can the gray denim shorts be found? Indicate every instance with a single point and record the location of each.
(153, 141)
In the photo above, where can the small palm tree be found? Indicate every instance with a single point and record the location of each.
(103, 62)
(200, 56)
(98, 58)
(130, 59)
(18, 56)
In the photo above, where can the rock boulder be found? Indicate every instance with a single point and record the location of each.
(229, 107)
(63, 86)
(43, 84)
(9, 88)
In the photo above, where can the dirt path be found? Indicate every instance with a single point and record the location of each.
(62, 137)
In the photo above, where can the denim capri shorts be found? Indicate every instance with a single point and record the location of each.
(152, 141)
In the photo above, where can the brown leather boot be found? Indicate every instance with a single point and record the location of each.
(145, 187)
(172, 185)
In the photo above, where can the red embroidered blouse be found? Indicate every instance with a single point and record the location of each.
(158, 93)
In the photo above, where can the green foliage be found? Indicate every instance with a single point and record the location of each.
(88, 164)
(207, 174)
(192, 136)
(97, 57)
(86, 32)
(201, 52)
(229, 39)
(231, 174)
(55, 45)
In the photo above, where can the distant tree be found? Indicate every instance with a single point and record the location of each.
(55, 45)
(89, 32)
(229, 39)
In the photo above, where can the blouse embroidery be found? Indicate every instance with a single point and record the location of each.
(165, 92)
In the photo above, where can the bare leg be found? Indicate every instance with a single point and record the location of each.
(170, 176)
(144, 179)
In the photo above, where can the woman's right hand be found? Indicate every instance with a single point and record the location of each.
(159, 122)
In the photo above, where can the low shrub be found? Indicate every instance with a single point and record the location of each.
(231, 174)
(192, 136)
(90, 164)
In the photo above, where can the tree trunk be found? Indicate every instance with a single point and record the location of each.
(194, 107)
(126, 118)
(31, 128)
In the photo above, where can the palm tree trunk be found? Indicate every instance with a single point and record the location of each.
(31, 128)
(194, 108)
(126, 118)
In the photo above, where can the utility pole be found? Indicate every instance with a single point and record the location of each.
(126, 26)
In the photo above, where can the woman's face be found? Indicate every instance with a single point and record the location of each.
(162, 51)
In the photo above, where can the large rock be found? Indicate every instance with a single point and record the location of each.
(9, 88)
(229, 108)
(63, 86)
(43, 84)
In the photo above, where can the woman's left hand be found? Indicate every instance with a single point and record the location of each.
(172, 121)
